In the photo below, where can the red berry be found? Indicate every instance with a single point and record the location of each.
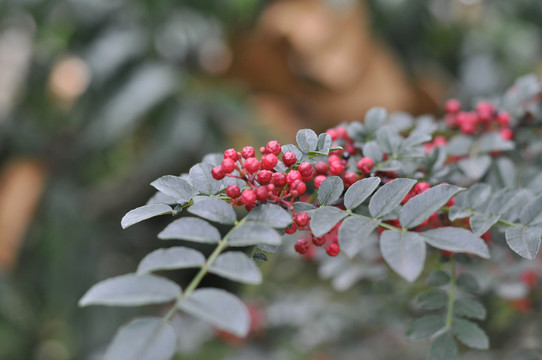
(529, 278)
(506, 133)
(302, 219)
(262, 193)
(218, 173)
(307, 178)
(450, 202)
(332, 133)
(349, 178)
(440, 141)
(278, 179)
(305, 169)
(333, 159)
(333, 249)
(293, 176)
(264, 177)
(319, 241)
(365, 165)
(272, 147)
(292, 229)
(248, 197)
(321, 167)
(228, 165)
(503, 119)
(421, 187)
(301, 246)
(262, 150)
(318, 180)
(467, 122)
(452, 106)
(252, 165)
(298, 188)
(289, 158)
(485, 110)
(269, 161)
(270, 187)
(341, 132)
(248, 152)
(230, 154)
(350, 149)
(336, 168)
(233, 191)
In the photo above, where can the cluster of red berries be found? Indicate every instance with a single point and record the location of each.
(484, 118)
(328, 241)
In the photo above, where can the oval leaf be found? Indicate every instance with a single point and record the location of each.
(532, 213)
(174, 186)
(422, 206)
(389, 196)
(524, 241)
(456, 240)
(432, 299)
(470, 334)
(325, 218)
(359, 191)
(131, 290)
(148, 338)
(470, 308)
(353, 233)
(307, 140)
(143, 213)
(404, 252)
(480, 223)
(178, 257)
(202, 179)
(330, 190)
(253, 234)
(443, 347)
(220, 308)
(214, 209)
(191, 229)
(424, 327)
(235, 265)
(270, 214)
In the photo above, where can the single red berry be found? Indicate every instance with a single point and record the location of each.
(349, 178)
(318, 180)
(332, 133)
(365, 165)
(248, 197)
(421, 187)
(485, 111)
(452, 106)
(252, 165)
(333, 159)
(529, 278)
(273, 147)
(467, 122)
(336, 168)
(319, 241)
(293, 176)
(298, 188)
(230, 154)
(302, 246)
(506, 133)
(305, 169)
(262, 193)
(307, 178)
(503, 119)
(248, 152)
(451, 202)
(292, 229)
(233, 191)
(278, 179)
(333, 249)
(289, 158)
(350, 149)
(341, 132)
(269, 161)
(440, 141)
(302, 219)
(321, 167)
(228, 165)
(218, 173)
(264, 177)
(262, 149)
(270, 187)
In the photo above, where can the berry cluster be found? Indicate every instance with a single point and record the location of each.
(484, 118)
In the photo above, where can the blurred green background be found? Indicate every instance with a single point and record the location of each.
(99, 98)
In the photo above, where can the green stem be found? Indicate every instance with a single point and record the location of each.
(451, 294)
(203, 271)
(381, 224)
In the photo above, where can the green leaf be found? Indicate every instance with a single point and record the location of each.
(470, 308)
(389, 139)
(330, 190)
(458, 213)
(475, 167)
(131, 290)
(220, 308)
(324, 143)
(359, 191)
(456, 240)
(303, 206)
(432, 299)
(148, 338)
(270, 214)
(143, 213)
(174, 186)
(307, 140)
(253, 234)
(422, 206)
(389, 196)
(480, 223)
(191, 229)
(532, 212)
(468, 283)
(524, 241)
(373, 151)
(404, 252)
(214, 209)
(235, 265)
(202, 179)
(443, 347)
(353, 234)
(374, 119)
(325, 218)
(493, 141)
(459, 145)
(177, 257)
(470, 334)
(438, 278)
(416, 138)
(425, 326)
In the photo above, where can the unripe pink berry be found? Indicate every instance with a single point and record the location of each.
(452, 106)
(506, 133)
(248, 152)
(289, 158)
(273, 147)
(218, 173)
(233, 191)
(252, 165)
(332, 133)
